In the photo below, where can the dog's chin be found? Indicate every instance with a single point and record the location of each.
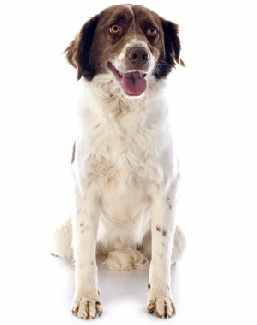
(133, 82)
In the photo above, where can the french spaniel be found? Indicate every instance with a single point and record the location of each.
(124, 166)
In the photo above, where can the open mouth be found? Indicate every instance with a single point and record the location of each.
(133, 83)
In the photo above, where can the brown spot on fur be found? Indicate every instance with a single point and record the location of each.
(99, 308)
(87, 310)
(75, 310)
(149, 286)
(164, 232)
(151, 306)
(165, 309)
(169, 203)
(139, 247)
(158, 227)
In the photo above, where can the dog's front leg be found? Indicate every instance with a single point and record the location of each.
(160, 300)
(86, 304)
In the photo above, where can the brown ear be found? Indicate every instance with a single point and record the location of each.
(78, 52)
(71, 52)
(171, 55)
(172, 41)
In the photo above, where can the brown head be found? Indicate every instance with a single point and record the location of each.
(129, 42)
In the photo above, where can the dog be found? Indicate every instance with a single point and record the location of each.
(123, 161)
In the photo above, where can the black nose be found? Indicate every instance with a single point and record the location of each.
(137, 56)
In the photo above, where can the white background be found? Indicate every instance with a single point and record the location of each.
(213, 113)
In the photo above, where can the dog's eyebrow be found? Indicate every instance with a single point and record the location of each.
(149, 22)
(121, 15)
(119, 18)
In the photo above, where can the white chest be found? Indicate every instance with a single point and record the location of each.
(122, 153)
(123, 161)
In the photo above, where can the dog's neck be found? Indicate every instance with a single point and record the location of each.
(104, 98)
(120, 122)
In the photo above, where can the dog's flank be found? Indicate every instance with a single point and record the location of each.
(124, 166)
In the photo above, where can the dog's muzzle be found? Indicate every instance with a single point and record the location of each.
(131, 68)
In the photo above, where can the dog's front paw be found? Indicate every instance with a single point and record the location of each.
(161, 306)
(87, 308)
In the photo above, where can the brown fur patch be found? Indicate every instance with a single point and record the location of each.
(158, 227)
(169, 203)
(111, 45)
(164, 232)
(90, 59)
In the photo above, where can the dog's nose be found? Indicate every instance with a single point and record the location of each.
(137, 57)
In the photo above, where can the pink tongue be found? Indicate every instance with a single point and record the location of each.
(133, 83)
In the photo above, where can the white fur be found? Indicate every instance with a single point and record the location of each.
(125, 176)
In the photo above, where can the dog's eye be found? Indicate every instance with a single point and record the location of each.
(115, 29)
(152, 31)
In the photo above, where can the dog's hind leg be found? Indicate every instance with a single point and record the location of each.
(62, 241)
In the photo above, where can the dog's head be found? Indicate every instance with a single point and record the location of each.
(130, 43)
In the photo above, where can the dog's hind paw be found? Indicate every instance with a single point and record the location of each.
(87, 308)
(126, 260)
